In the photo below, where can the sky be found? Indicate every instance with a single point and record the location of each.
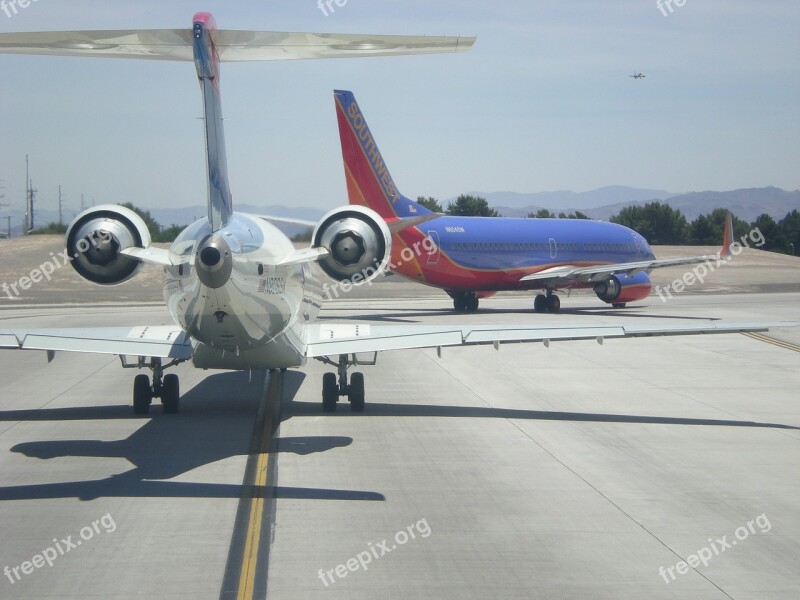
(542, 102)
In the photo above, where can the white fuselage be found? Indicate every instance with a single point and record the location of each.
(256, 318)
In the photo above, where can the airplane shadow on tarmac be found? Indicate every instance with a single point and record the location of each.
(214, 424)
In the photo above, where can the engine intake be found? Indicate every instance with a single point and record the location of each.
(358, 241)
(96, 238)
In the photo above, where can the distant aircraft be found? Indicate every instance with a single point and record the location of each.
(638, 75)
(242, 296)
(475, 257)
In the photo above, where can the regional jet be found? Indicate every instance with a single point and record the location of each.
(475, 257)
(638, 75)
(240, 294)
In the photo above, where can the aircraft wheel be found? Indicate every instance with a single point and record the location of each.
(619, 305)
(553, 304)
(540, 303)
(142, 395)
(459, 302)
(471, 302)
(356, 392)
(330, 392)
(170, 394)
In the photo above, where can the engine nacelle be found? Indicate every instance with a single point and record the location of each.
(97, 236)
(620, 289)
(358, 241)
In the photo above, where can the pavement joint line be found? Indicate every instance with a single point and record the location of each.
(256, 491)
(771, 340)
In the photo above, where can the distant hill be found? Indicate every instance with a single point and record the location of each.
(746, 204)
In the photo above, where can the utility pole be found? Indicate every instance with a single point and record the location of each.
(4, 205)
(60, 216)
(82, 203)
(30, 195)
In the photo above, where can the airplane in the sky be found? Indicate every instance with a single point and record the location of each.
(638, 75)
(241, 295)
(475, 257)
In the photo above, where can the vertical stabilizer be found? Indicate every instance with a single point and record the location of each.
(206, 59)
(369, 182)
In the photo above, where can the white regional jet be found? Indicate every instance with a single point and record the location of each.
(241, 295)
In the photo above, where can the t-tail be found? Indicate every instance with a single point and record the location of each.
(206, 60)
(369, 182)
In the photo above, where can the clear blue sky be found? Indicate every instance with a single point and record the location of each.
(542, 102)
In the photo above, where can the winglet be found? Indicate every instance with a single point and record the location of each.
(727, 237)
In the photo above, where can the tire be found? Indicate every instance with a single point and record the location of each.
(459, 302)
(170, 394)
(471, 303)
(330, 392)
(540, 303)
(619, 305)
(142, 395)
(356, 392)
(553, 304)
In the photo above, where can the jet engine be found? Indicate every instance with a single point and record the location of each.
(358, 241)
(97, 236)
(621, 288)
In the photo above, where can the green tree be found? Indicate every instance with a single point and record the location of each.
(542, 213)
(658, 223)
(773, 236)
(430, 203)
(471, 206)
(707, 230)
(790, 231)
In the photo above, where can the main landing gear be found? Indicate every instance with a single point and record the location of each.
(464, 301)
(333, 389)
(549, 303)
(165, 387)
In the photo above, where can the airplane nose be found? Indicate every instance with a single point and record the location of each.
(214, 262)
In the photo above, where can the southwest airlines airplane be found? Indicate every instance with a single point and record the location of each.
(241, 295)
(475, 257)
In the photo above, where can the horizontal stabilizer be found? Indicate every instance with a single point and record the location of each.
(232, 46)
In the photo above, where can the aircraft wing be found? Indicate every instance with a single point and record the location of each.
(563, 274)
(153, 341)
(333, 339)
(176, 44)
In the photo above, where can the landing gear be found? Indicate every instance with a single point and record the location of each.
(549, 303)
(333, 389)
(142, 395)
(330, 392)
(464, 301)
(166, 387)
(619, 305)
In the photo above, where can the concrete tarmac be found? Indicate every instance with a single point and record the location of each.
(578, 471)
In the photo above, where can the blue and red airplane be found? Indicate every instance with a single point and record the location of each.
(475, 257)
